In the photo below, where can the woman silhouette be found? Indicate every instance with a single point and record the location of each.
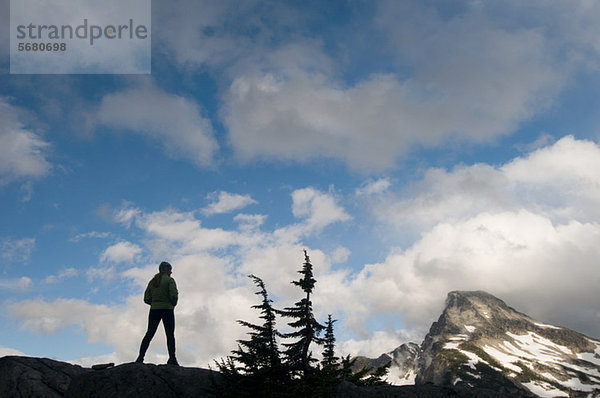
(161, 294)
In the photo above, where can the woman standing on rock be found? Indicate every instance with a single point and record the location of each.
(161, 294)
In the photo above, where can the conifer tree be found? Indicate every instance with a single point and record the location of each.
(254, 369)
(330, 361)
(297, 354)
(260, 352)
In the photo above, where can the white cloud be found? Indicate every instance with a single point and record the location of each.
(225, 202)
(105, 273)
(16, 251)
(175, 122)
(100, 323)
(558, 181)
(340, 255)
(469, 76)
(126, 214)
(317, 209)
(250, 221)
(7, 351)
(220, 32)
(121, 252)
(65, 273)
(22, 283)
(462, 87)
(93, 234)
(23, 153)
(380, 342)
(373, 187)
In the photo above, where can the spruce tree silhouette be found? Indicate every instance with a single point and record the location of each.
(260, 352)
(298, 356)
(256, 368)
(260, 372)
(330, 361)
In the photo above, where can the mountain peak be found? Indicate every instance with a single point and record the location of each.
(473, 295)
(467, 311)
(480, 340)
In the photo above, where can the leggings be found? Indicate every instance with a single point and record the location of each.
(154, 318)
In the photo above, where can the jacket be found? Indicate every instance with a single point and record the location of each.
(163, 297)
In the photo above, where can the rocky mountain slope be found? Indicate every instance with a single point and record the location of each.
(480, 341)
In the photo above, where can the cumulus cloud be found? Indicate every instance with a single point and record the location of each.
(6, 351)
(92, 234)
(99, 322)
(558, 181)
(340, 254)
(250, 220)
(377, 344)
(16, 250)
(65, 273)
(121, 252)
(373, 187)
(225, 202)
(21, 283)
(23, 153)
(470, 75)
(462, 86)
(219, 31)
(541, 259)
(175, 122)
(318, 209)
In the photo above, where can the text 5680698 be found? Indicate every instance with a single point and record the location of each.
(25, 46)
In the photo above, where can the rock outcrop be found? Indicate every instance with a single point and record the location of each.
(144, 380)
(36, 377)
(41, 377)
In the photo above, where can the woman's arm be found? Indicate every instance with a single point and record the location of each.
(173, 293)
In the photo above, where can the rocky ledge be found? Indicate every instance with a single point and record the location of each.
(42, 377)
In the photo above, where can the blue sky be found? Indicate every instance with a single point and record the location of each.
(412, 147)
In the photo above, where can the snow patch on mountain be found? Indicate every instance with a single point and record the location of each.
(542, 389)
(543, 325)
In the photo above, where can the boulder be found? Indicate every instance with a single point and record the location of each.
(36, 377)
(143, 380)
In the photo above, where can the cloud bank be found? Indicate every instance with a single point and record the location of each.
(518, 230)
(23, 153)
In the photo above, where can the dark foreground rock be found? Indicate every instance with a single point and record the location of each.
(143, 380)
(41, 377)
(36, 377)
(25, 377)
